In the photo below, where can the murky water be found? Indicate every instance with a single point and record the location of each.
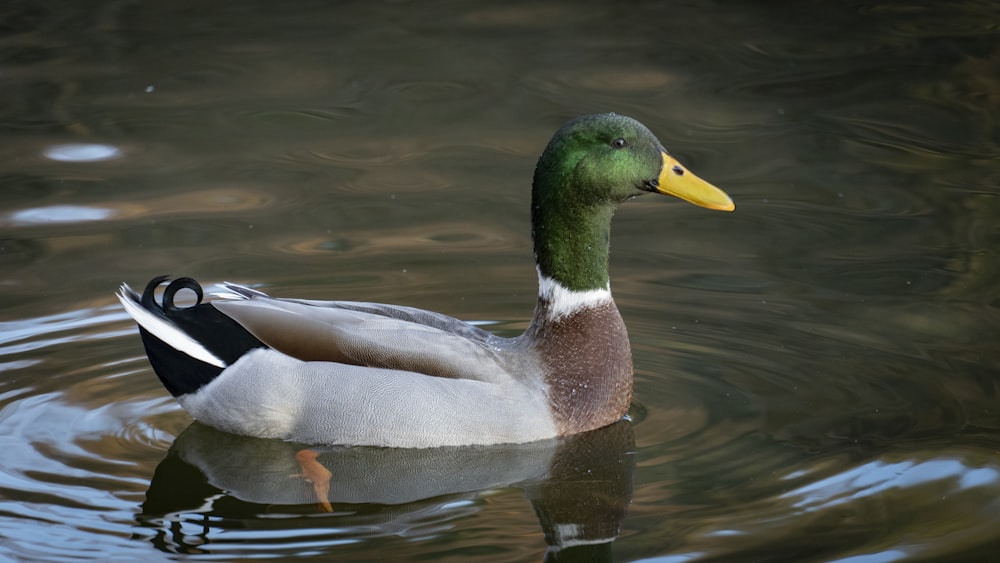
(817, 374)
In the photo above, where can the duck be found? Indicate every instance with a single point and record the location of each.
(370, 374)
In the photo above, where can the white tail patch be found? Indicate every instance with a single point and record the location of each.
(563, 301)
(234, 291)
(168, 333)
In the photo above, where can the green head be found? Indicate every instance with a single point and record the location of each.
(591, 165)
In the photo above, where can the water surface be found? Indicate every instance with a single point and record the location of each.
(816, 374)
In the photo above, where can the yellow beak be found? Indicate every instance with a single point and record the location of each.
(677, 181)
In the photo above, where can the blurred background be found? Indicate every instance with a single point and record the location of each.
(817, 374)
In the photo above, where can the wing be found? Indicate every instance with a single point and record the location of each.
(373, 335)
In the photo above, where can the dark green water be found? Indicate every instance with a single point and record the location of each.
(817, 374)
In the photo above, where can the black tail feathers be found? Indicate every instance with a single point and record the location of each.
(227, 340)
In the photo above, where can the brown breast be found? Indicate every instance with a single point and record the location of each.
(588, 364)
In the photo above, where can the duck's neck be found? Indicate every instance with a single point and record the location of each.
(556, 301)
(577, 330)
(571, 242)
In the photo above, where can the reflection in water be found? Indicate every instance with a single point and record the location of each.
(212, 482)
(81, 152)
(745, 497)
(57, 214)
(879, 476)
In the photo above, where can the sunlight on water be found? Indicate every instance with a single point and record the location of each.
(79, 152)
(877, 477)
(58, 214)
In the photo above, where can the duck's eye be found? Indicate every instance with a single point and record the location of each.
(619, 143)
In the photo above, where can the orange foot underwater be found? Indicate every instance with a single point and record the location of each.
(314, 472)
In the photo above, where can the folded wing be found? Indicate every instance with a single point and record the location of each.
(367, 334)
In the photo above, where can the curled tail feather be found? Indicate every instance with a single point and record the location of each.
(188, 347)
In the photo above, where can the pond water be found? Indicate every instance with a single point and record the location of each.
(817, 374)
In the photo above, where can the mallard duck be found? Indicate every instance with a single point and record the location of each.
(355, 373)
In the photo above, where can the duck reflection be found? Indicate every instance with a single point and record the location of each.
(211, 482)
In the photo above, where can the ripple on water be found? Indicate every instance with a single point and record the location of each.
(925, 126)
(629, 91)
(67, 463)
(280, 119)
(439, 238)
(437, 91)
(208, 200)
(79, 441)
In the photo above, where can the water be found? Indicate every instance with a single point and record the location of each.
(816, 374)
